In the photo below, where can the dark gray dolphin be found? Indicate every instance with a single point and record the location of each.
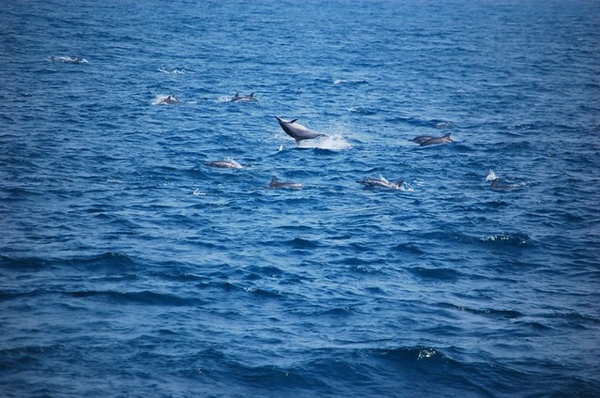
(238, 98)
(298, 131)
(495, 184)
(381, 182)
(171, 99)
(425, 140)
(225, 164)
(275, 183)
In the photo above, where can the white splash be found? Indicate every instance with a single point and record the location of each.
(67, 59)
(331, 142)
(491, 176)
(349, 81)
(173, 72)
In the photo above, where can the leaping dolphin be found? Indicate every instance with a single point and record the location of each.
(275, 183)
(238, 98)
(298, 131)
(425, 140)
(381, 182)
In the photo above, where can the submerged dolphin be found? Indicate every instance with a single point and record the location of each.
(381, 182)
(67, 59)
(298, 131)
(425, 140)
(275, 183)
(238, 98)
(225, 164)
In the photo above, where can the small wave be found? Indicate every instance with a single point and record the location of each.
(408, 248)
(300, 243)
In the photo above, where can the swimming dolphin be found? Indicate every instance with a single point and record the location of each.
(171, 99)
(494, 179)
(425, 140)
(275, 183)
(225, 164)
(381, 182)
(495, 185)
(298, 131)
(237, 98)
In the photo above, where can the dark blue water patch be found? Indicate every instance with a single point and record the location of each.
(140, 297)
(24, 263)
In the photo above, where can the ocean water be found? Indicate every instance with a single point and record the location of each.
(130, 268)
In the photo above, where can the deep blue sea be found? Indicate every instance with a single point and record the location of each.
(129, 267)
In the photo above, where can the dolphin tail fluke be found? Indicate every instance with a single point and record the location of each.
(283, 121)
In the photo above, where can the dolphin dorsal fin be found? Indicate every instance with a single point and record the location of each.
(251, 95)
(293, 121)
(237, 95)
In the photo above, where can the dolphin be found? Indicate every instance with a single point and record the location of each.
(421, 138)
(495, 185)
(225, 164)
(238, 98)
(425, 140)
(298, 131)
(494, 179)
(381, 182)
(171, 99)
(275, 183)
